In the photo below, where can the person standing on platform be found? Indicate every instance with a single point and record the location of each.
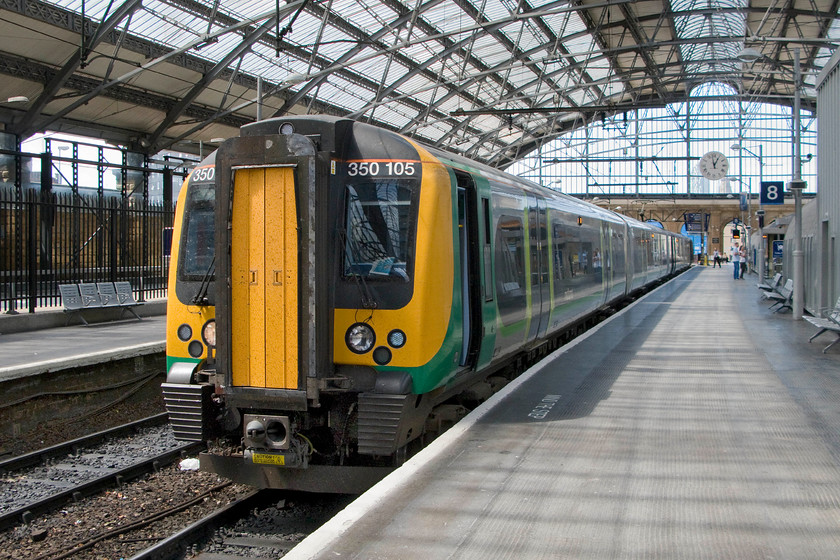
(743, 257)
(735, 257)
(717, 259)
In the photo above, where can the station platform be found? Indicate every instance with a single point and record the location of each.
(696, 423)
(35, 352)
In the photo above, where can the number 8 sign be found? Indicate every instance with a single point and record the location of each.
(772, 192)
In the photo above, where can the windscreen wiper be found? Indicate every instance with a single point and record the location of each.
(368, 301)
(200, 297)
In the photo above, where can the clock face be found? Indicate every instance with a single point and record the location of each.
(714, 166)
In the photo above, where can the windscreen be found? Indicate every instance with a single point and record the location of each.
(198, 241)
(379, 230)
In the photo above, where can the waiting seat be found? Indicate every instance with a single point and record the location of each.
(72, 301)
(782, 297)
(125, 296)
(90, 295)
(107, 294)
(772, 285)
(829, 323)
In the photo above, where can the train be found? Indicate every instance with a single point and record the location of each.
(340, 293)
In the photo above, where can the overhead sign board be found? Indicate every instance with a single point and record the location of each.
(772, 192)
(693, 222)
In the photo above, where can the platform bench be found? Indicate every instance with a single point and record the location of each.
(829, 323)
(78, 298)
(782, 297)
(771, 286)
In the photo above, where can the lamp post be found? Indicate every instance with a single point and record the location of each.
(760, 155)
(761, 249)
(796, 185)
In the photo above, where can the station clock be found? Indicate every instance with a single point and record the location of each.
(714, 166)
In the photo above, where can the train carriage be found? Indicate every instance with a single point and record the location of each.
(340, 290)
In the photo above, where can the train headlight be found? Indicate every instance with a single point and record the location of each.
(396, 338)
(382, 356)
(195, 348)
(208, 333)
(360, 338)
(185, 332)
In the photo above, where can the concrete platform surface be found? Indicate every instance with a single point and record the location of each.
(53, 349)
(694, 424)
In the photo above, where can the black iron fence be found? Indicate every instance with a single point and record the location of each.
(49, 238)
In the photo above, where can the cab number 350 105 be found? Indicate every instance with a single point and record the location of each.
(386, 168)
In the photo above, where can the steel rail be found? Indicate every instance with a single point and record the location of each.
(175, 546)
(41, 456)
(27, 513)
(75, 548)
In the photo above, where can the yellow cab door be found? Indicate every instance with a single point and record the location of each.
(264, 278)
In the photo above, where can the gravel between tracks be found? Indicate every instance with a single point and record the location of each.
(19, 489)
(48, 535)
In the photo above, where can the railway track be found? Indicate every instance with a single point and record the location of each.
(176, 546)
(260, 524)
(43, 456)
(41, 481)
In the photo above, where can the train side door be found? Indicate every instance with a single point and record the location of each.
(469, 270)
(538, 243)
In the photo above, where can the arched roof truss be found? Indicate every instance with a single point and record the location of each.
(491, 79)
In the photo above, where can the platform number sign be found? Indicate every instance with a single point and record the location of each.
(772, 192)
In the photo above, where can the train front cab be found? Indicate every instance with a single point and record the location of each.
(290, 368)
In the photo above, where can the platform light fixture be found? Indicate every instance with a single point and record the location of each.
(749, 54)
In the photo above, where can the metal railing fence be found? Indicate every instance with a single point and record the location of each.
(49, 238)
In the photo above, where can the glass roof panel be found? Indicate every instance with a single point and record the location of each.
(512, 59)
(710, 18)
(497, 9)
(95, 9)
(488, 51)
(262, 62)
(524, 35)
(521, 76)
(218, 50)
(245, 9)
(395, 115)
(160, 29)
(375, 68)
(367, 15)
(447, 17)
(305, 30)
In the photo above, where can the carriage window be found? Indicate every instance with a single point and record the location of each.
(198, 239)
(510, 269)
(379, 228)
